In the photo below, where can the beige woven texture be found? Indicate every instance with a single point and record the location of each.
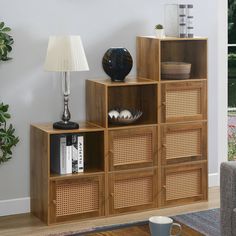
(183, 103)
(183, 185)
(133, 192)
(183, 144)
(132, 149)
(75, 198)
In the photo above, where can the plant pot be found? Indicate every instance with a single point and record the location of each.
(160, 33)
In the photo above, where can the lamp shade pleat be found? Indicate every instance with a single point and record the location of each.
(65, 53)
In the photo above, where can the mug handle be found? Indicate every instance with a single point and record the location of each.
(180, 229)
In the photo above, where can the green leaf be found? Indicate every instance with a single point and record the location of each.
(7, 115)
(4, 108)
(6, 29)
(1, 25)
(9, 48)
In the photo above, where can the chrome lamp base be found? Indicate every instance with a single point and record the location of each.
(65, 125)
(65, 122)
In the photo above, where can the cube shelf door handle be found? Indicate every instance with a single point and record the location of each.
(54, 202)
(164, 145)
(163, 103)
(112, 194)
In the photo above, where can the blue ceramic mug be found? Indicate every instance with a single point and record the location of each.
(162, 225)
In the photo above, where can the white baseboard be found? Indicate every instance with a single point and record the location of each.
(22, 205)
(14, 206)
(214, 179)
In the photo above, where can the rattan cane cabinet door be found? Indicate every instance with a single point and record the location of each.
(132, 190)
(77, 198)
(183, 143)
(184, 184)
(184, 101)
(133, 148)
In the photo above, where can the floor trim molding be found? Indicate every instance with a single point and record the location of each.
(14, 206)
(22, 205)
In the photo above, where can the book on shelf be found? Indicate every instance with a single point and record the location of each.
(67, 154)
(77, 153)
(58, 154)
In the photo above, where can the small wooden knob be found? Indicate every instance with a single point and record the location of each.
(164, 186)
(164, 145)
(112, 194)
(163, 103)
(54, 202)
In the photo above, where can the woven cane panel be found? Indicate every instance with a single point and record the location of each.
(132, 149)
(133, 192)
(75, 198)
(183, 144)
(183, 185)
(183, 103)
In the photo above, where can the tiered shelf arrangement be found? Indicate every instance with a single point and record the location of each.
(158, 161)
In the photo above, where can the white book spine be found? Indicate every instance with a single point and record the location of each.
(80, 153)
(69, 159)
(63, 155)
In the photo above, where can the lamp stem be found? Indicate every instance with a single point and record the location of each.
(66, 91)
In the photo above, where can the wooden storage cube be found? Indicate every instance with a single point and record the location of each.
(151, 51)
(133, 94)
(137, 97)
(183, 101)
(93, 157)
(132, 148)
(132, 191)
(76, 198)
(183, 142)
(190, 51)
(184, 183)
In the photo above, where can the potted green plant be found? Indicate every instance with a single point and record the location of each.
(7, 138)
(159, 31)
(6, 42)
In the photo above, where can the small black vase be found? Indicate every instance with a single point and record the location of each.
(117, 63)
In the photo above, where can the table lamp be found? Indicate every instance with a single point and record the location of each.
(65, 54)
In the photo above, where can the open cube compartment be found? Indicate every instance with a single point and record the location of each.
(135, 97)
(93, 157)
(190, 51)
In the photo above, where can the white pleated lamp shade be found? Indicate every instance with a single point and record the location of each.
(65, 53)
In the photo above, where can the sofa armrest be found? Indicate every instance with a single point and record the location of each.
(227, 197)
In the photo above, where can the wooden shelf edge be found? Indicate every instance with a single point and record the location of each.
(76, 175)
(182, 80)
(132, 126)
(129, 81)
(173, 38)
(84, 128)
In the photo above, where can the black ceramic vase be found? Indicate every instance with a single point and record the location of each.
(117, 63)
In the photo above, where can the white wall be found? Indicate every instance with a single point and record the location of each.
(35, 95)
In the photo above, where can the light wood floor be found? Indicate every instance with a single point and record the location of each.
(26, 224)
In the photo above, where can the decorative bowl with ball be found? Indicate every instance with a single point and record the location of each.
(123, 116)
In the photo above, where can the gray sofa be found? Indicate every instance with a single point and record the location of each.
(228, 198)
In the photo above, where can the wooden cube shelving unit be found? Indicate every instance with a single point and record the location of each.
(182, 116)
(158, 161)
(58, 198)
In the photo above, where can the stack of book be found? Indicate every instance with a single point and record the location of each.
(179, 20)
(186, 21)
(67, 154)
